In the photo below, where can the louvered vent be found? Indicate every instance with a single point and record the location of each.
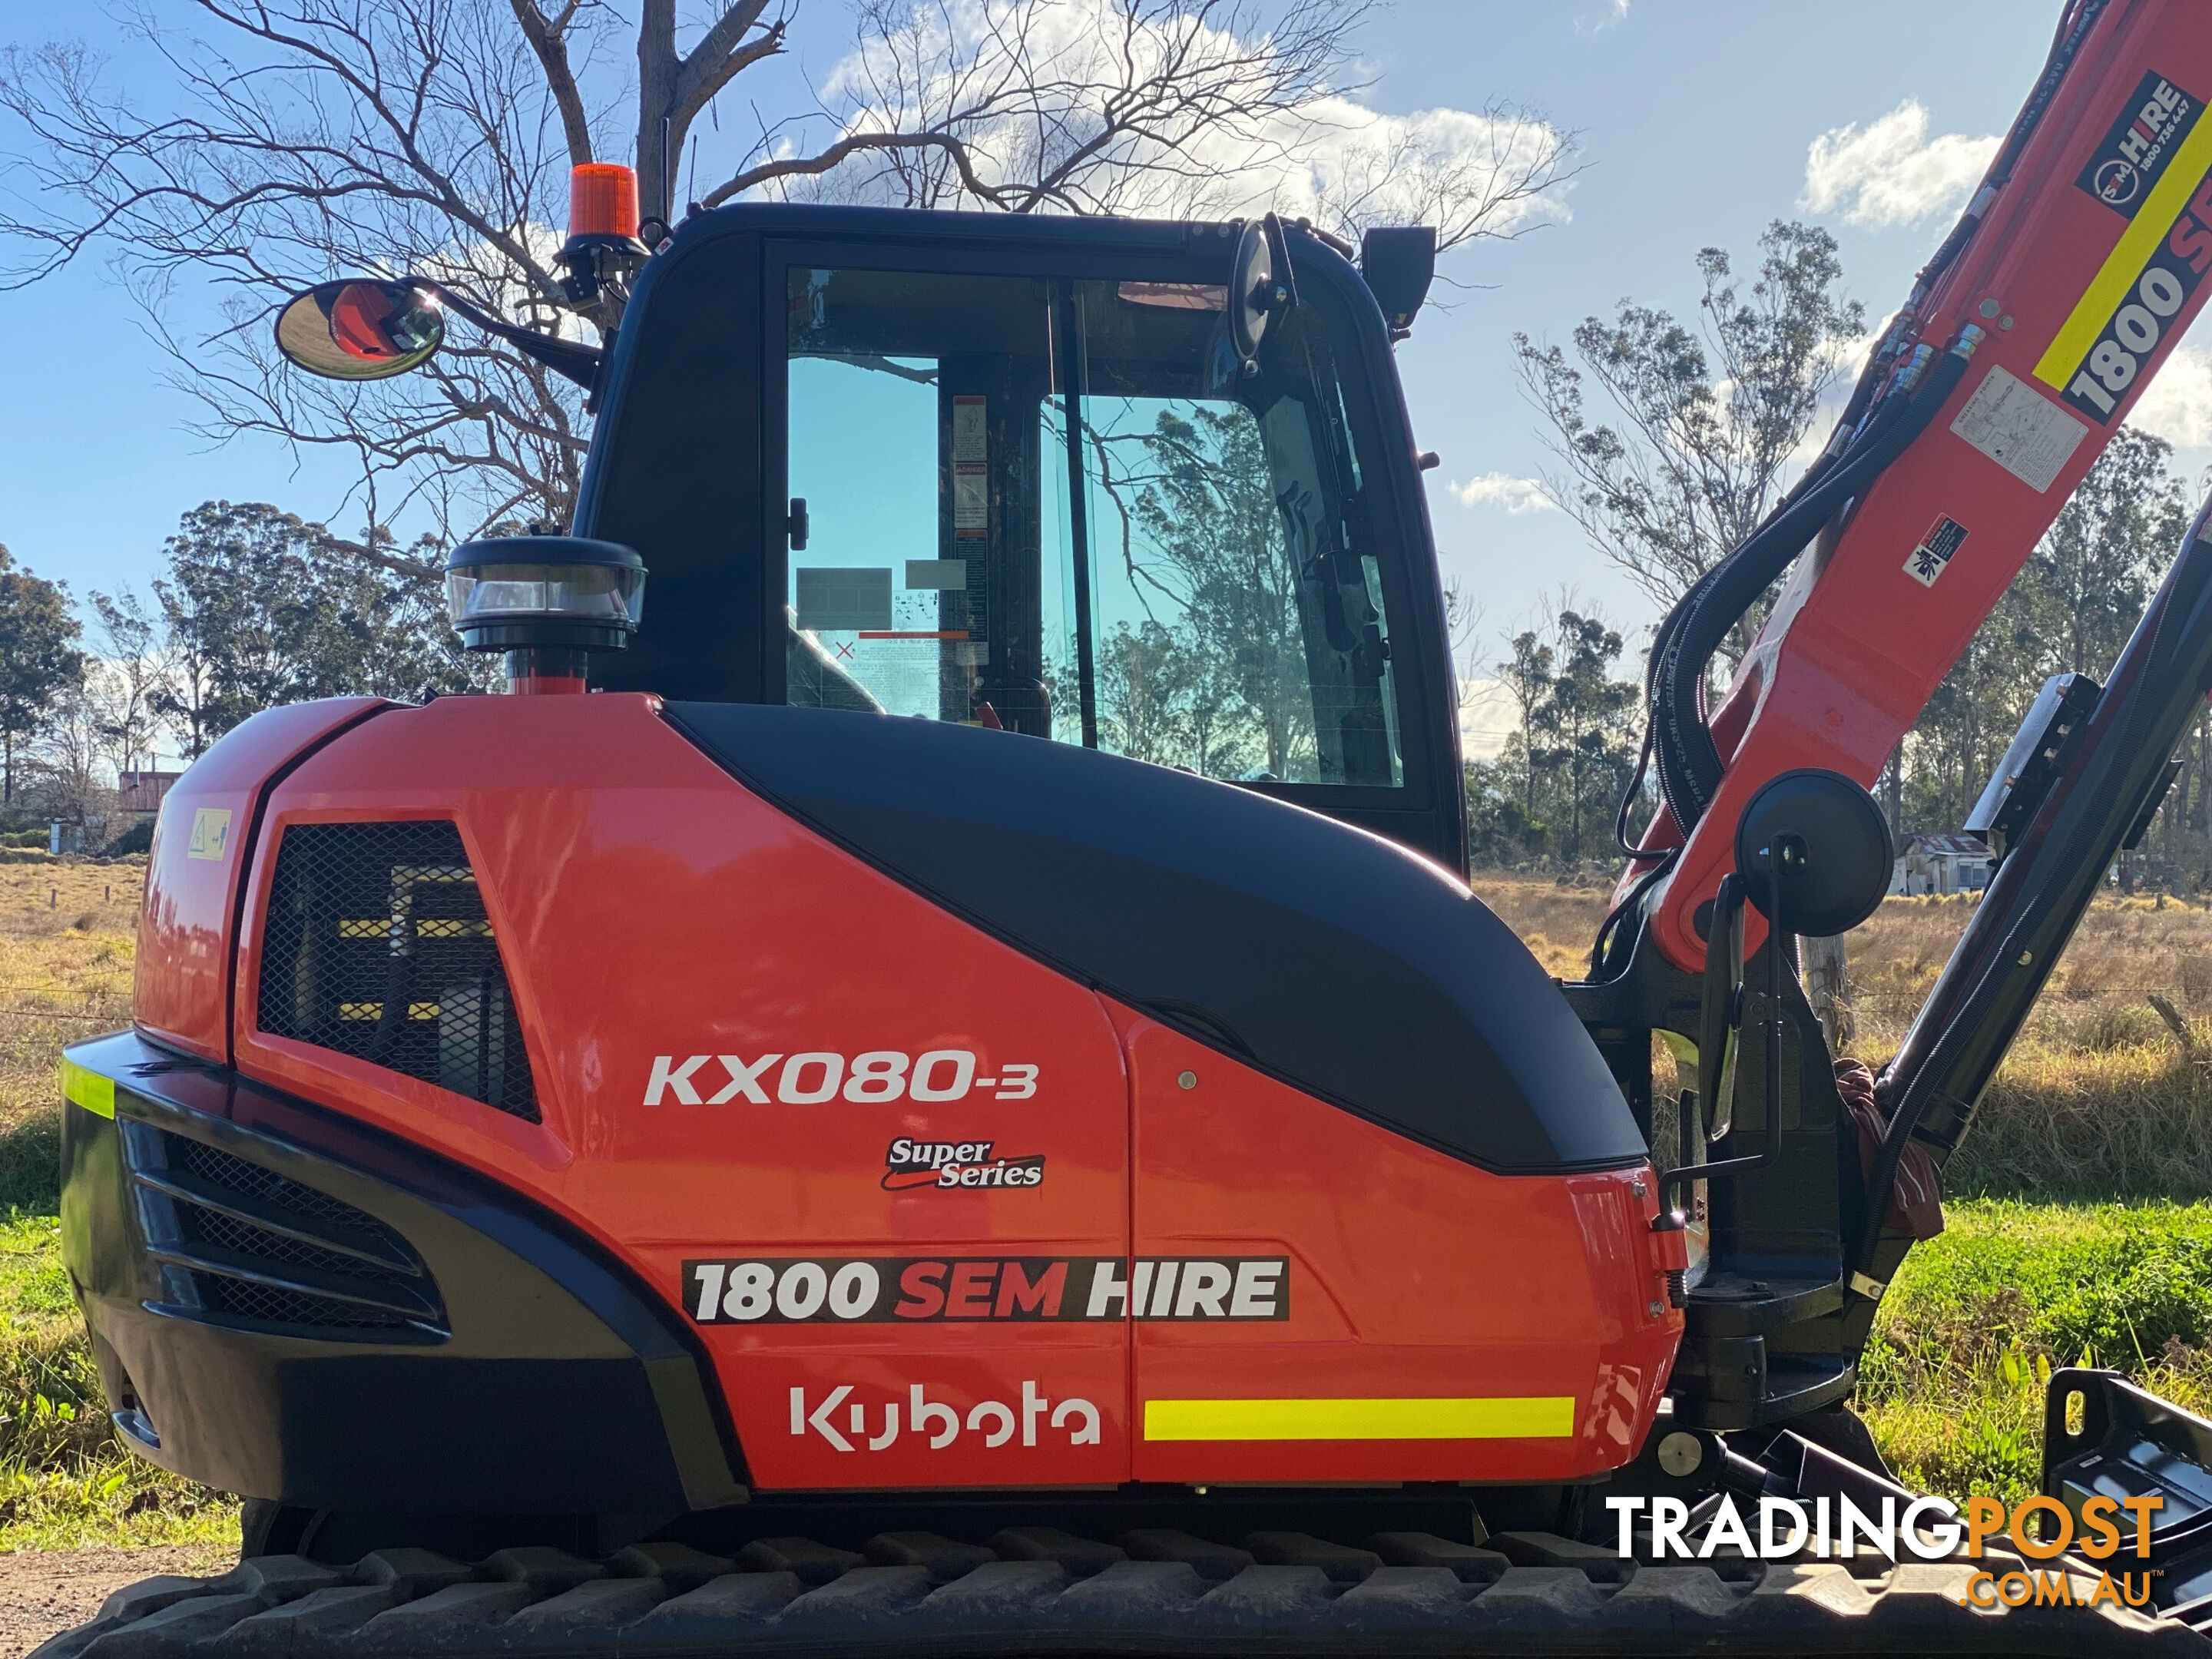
(378, 946)
(238, 1244)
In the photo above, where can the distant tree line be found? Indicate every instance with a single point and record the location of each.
(254, 607)
(1702, 430)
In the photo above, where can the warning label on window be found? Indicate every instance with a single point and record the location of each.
(971, 459)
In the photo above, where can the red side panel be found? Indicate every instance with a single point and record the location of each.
(652, 913)
(1421, 1294)
(883, 1161)
(191, 881)
(2091, 265)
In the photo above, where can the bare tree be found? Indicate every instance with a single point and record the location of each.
(316, 138)
(1708, 424)
(132, 676)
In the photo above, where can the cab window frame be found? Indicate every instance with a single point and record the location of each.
(1415, 697)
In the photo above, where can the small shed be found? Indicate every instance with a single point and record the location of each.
(1943, 864)
(142, 791)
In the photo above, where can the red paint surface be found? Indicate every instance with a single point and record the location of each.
(183, 966)
(646, 905)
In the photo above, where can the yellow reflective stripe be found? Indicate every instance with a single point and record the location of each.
(1527, 1417)
(85, 1087)
(2126, 262)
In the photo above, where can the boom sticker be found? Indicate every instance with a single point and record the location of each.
(1933, 557)
(2019, 428)
(2123, 168)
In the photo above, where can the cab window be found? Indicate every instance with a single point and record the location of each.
(1064, 507)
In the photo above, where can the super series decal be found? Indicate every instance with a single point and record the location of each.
(884, 1291)
(941, 1166)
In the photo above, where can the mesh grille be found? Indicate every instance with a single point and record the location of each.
(192, 1227)
(241, 1298)
(378, 946)
(235, 1174)
(227, 1232)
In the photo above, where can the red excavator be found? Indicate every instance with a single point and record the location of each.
(941, 1087)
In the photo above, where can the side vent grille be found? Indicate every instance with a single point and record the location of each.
(237, 1243)
(378, 946)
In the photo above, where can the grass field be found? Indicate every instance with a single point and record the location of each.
(2097, 1098)
(2098, 1104)
(65, 958)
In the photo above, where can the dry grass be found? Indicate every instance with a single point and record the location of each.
(66, 940)
(2096, 1098)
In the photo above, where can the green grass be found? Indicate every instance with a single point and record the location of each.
(1953, 1382)
(66, 1480)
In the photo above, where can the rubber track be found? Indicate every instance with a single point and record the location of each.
(1036, 1590)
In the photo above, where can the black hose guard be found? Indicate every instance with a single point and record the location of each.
(1040, 1591)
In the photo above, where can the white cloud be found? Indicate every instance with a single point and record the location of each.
(1890, 171)
(1024, 82)
(1615, 11)
(2177, 405)
(1487, 716)
(1502, 490)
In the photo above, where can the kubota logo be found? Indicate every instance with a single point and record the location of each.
(837, 1415)
(872, 1078)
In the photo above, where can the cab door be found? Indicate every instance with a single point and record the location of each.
(909, 405)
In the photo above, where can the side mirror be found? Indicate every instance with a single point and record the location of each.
(1399, 261)
(360, 330)
(1833, 846)
(1251, 290)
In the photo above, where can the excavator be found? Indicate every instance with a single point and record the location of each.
(941, 1088)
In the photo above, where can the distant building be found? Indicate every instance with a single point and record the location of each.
(1943, 864)
(144, 791)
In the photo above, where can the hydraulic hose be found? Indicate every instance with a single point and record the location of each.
(1689, 764)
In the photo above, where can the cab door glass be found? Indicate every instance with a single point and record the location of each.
(1237, 629)
(1063, 508)
(912, 440)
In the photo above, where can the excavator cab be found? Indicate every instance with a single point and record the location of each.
(1033, 474)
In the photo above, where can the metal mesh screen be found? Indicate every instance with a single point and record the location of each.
(229, 1243)
(378, 946)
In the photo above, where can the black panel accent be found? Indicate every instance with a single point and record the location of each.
(378, 945)
(561, 1386)
(238, 1243)
(1343, 964)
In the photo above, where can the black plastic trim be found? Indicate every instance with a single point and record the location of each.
(565, 1386)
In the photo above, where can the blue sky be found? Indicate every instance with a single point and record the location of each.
(1696, 118)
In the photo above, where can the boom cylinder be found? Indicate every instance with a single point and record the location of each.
(2108, 781)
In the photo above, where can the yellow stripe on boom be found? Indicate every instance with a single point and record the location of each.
(81, 1086)
(2109, 288)
(1530, 1418)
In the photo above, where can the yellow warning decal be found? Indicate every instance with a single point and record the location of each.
(85, 1087)
(2125, 263)
(1527, 1417)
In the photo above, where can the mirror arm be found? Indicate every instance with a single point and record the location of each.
(579, 363)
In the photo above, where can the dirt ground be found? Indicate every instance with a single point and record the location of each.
(43, 1591)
